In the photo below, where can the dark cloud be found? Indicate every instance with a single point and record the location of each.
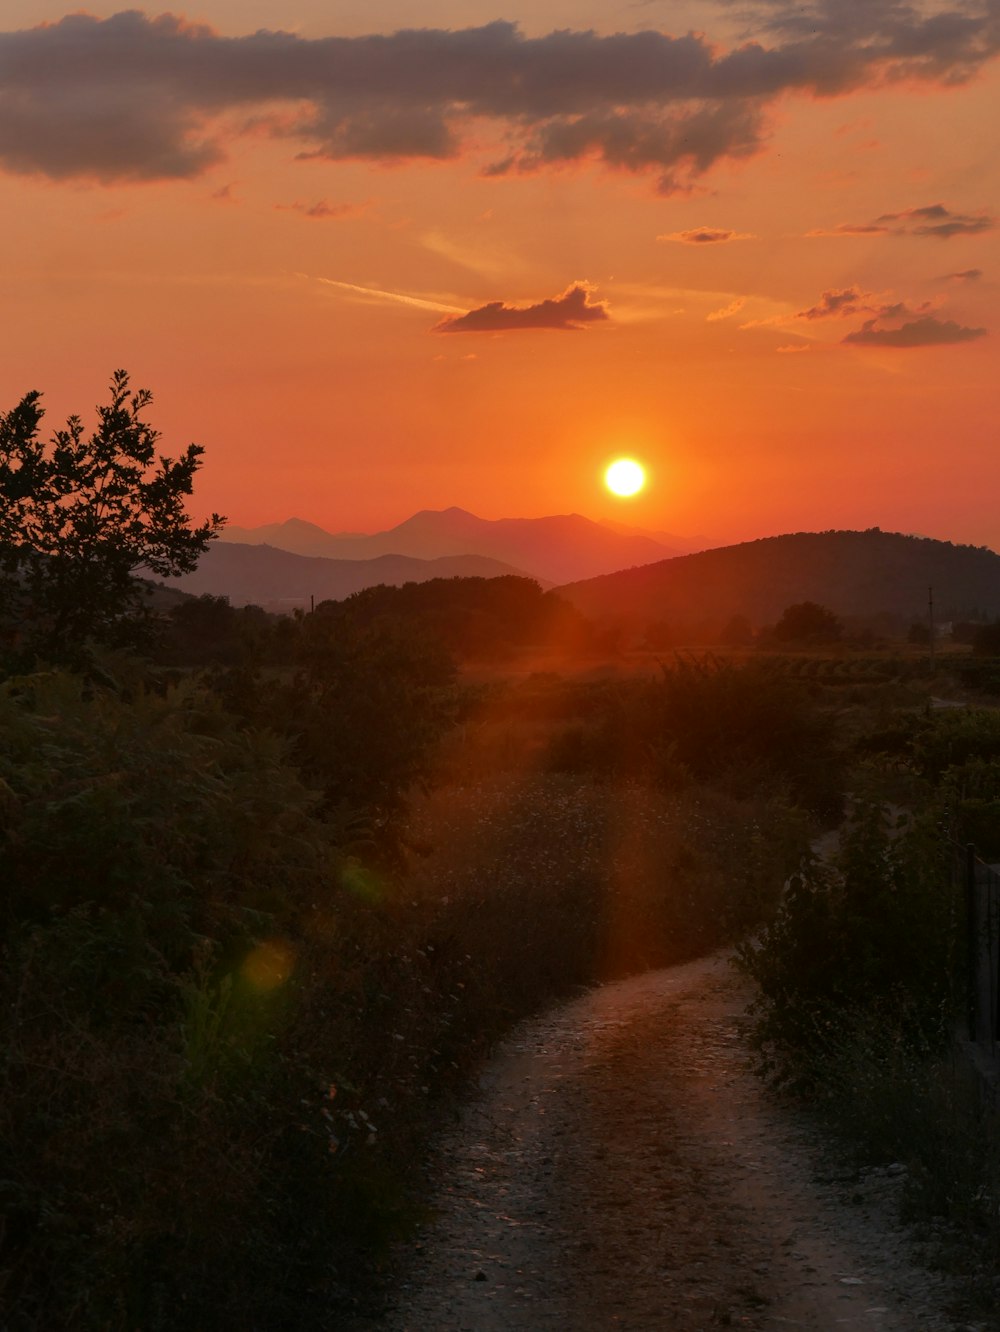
(837, 305)
(705, 236)
(571, 310)
(926, 331)
(966, 275)
(854, 301)
(322, 210)
(132, 98)
(906, 40)
(933, 220)
(850, 229)
(938, 221)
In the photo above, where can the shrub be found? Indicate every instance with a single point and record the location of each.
(873, 935)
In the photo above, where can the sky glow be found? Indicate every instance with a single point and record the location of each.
(382, 257)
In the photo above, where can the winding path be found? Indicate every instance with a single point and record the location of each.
(622, 1168)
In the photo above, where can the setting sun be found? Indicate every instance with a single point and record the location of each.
(625, 477)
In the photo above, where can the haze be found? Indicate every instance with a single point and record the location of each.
(753, 246)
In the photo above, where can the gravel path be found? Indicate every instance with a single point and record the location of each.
(622, 1168)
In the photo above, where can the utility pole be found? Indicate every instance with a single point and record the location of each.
(930, 623)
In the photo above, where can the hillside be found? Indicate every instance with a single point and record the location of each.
(557, 549)
(853, 573)
(280, 580)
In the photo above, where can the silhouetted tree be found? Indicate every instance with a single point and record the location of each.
(80, 516)
(807, 622)
(986, 642)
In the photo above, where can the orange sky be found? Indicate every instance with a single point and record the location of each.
(752, 245)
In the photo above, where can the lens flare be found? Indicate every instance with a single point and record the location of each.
(268, 965)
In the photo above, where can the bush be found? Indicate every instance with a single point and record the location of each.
(874, 935)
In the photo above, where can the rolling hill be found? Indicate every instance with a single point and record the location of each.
(853, 573)
(557, 549)
(279, 580)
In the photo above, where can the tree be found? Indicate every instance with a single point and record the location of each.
(80, 516)
(807, 622)
(986, 642)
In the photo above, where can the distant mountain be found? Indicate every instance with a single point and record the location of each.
(282, 580)
(295, 535)
(852, 573)
(677, 545)
(558, 549)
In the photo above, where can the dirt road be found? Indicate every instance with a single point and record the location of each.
(622, 1168)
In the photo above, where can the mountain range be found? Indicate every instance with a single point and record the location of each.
(280, 580)
(558, 549)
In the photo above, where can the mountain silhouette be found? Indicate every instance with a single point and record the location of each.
(281, 580)
(851, 573)
(558, 549)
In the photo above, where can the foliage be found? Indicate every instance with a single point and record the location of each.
(80, 515)
(871, 938)
(474, 618)
(746, 726)
(223, 1038)
(986, 641)
(362, 709)
(807, 622)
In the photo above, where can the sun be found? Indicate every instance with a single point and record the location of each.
(625, 477)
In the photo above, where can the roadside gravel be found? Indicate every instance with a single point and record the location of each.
(621, 1167)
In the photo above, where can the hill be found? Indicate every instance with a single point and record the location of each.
(280, 580)
(557, 549)
(853, 573)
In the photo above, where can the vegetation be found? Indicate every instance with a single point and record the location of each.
(267, 893)
(79, 516)
(806, 622)
(862, 979)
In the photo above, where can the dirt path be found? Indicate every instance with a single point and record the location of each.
(622, 1168)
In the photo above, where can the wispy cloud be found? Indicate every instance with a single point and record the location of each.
(323, 211)
(705, 236)
(854, 301)
(131, 98)
(934, 220)
(570, 311)
(474, 256)
(938, 221)
(927, 331)
(727, 311)
(378, 294)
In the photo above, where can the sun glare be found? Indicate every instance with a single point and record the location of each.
(625, 477)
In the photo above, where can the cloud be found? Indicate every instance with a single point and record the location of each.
(926, 331)
(966, 275)
(836, 305)
(793, 348)
(854, 301)
(394, 297)
(705, 236)
(938, 221)
(932, 220)
(131, 98)
(850, 229)
(732, 308)
(323, 210)
(571, 310)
